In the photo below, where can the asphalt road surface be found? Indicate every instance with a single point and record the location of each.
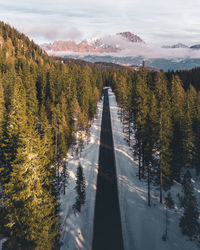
(107, 220)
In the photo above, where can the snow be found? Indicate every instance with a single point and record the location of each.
(77, 228)
(143, 226)
(2, 240)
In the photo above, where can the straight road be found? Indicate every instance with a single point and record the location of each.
(107, 220)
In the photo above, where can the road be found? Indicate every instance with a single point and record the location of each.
(107, 233)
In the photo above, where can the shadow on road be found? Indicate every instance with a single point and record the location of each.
(107, 221)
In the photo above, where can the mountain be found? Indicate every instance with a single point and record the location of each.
(96, 46)
(127, 49)
(179, 45)
(197, 46)
(92, 45)
(131, 37)
(176, 46)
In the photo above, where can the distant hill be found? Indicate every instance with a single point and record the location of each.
(155, 64)
(98, 65)
(15, 45)
(179, 45)
(197, 46)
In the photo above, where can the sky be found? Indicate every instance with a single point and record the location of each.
(157, 22)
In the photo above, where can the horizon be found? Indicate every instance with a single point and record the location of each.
(156, 23)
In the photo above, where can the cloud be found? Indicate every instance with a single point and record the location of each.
(147, 51)
(53, 32)
(128, 49)
(151, 19)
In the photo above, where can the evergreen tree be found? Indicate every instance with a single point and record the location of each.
(80, 189)
(177, 104)
(165, 131)
(189, 221)
(140, 113)
(14, 127)
(150, 137)
(32, 221)
(187, 138)
(40, 103)
(169, 203)
(2, 116)
(2, 107)
(196, 153)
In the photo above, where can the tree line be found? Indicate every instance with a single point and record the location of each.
(163, 113)
(43, 103)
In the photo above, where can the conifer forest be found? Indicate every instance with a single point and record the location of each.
(47, 106)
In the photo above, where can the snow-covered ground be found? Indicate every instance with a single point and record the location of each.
(77, 228)
(1, 242)
(142, 226)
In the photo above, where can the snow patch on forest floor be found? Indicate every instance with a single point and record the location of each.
(2, 240)
(77, 228)
(143, 226)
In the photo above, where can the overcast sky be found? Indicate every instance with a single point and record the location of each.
(157, 22)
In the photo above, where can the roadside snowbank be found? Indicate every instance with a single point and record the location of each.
(77, 228)
(142, 226)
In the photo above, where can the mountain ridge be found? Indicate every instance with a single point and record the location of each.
(93, 45)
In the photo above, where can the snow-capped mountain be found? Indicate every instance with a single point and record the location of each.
(131, 37)
(127, 48)
(93, 45)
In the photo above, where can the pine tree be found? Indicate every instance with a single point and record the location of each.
(13, 130)
(46, 134)
(31, 94)
(191, 127)
(169, 203)
(177, 104)
(39, 99)
(187, 138)
(70, 90)
(128, 108)
(196, 153)
(64, 128)
(32, 221)
(140, 113)
(2, 116)
(83, 90)
(56, 124)
(2, 107)
(150, 137)
(80, 189)
(165, 131)
(189, 221)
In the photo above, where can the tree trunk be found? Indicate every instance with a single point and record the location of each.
(161, 184)
(148, 180)
(129, 128)
(64, 186)
(123, 118)
(166, 229)
(57, 158)
(139, 166)
(143, 164)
